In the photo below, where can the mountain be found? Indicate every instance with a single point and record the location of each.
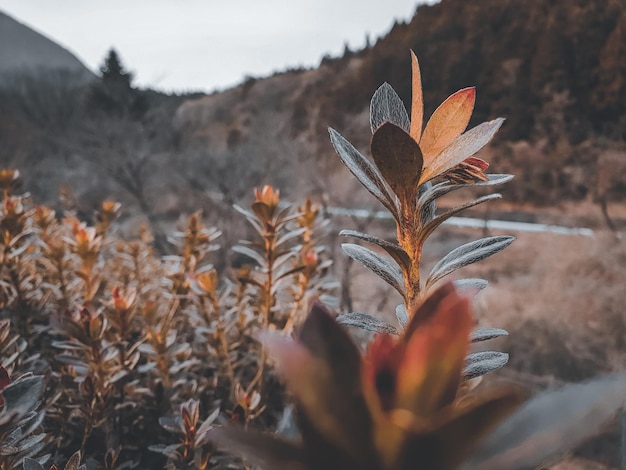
(23, 50)
(554, 68)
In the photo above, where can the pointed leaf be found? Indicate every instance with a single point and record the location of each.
(430, 227)
(250, 253)
(74, 462)
(290, 235)
(484, 334)
(386, 106)
(463, 147)
(443, 188)
(250, 217)
(23, 395)
(382, 266)
(471, 284)
(30, 464)
(394, 250)
(170, 451)
(448, 122)
(467, 254)
(367, 322)
(481, 363)
(428, 209)
(364, 171)
(30, 443)
(417, 101)
(327, 391)
(290, 272)
(550, 424)
(399, 159)
(429, 375)
(401, 315)
(172, 424)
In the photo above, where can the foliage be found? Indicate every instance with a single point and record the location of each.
(406, 161)
(132, 351)
(114, 93)
(114, 357)
(410, 401)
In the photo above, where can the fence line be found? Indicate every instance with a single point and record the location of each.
(472, 222)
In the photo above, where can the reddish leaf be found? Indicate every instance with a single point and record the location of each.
(429, 375)
(448, 122)
(323, 370)
(463, 147)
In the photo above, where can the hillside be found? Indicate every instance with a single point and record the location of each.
(553, 68)
(23, 50)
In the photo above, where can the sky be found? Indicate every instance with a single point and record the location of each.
(206, 45)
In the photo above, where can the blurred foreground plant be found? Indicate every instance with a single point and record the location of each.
(403, 405)
(407, 404)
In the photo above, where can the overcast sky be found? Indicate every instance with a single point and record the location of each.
(186, 45)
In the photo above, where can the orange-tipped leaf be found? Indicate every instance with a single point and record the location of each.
(430, 374)
(417, 100)
(448, 122)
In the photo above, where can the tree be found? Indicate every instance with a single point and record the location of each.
(113, 72)
(114, 93)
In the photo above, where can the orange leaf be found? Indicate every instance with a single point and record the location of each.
(448, 122)
(430, 373)
(417, 100)
(463, 147)
(399, 159)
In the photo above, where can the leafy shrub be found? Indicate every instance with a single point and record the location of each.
(114, 358)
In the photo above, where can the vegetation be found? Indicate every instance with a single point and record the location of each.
(114, 356)
(134, 352)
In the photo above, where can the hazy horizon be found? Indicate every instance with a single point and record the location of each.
(204, 46)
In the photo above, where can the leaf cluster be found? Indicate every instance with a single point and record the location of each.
(126, 358)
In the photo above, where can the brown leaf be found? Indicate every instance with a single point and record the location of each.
(323, 370)
(417, 100)
(448, 122)
(446, 443)
(399, 159)
(464, 146)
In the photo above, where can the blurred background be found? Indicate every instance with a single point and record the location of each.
(170, 109)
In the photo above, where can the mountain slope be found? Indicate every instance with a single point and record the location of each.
(23, 50)
(554, 68)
